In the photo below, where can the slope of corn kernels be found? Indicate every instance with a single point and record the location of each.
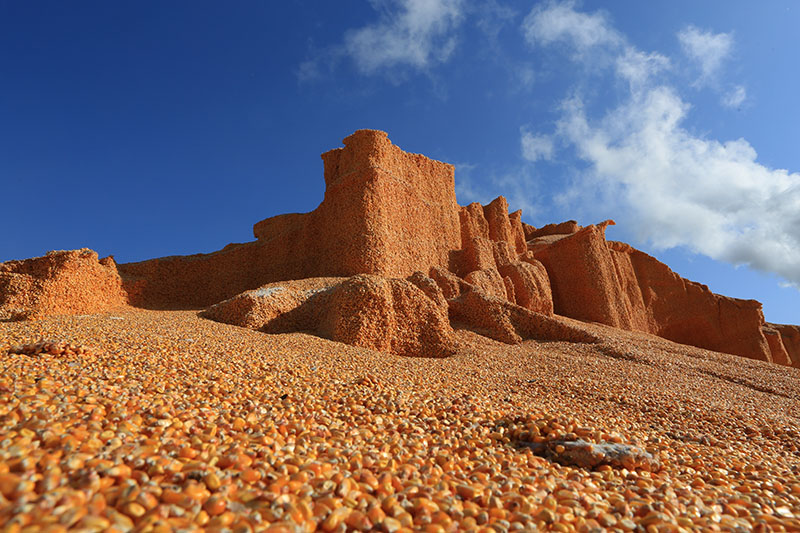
(153, 421)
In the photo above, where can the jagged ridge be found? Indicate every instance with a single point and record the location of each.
(393, 216)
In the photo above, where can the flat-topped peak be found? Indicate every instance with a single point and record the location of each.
(366, 135)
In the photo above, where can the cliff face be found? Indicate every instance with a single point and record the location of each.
(613, 283)
(584, 281)
(385, 212)
(195, 281)
(61, 282)
(688, 312)
(393, 215)
(789, 340)
(493, 256)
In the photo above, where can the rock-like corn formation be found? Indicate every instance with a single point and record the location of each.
(389, 213)
(156, 421)
(61, 282)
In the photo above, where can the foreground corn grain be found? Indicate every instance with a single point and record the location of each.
(162, 421)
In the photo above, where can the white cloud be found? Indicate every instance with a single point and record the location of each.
(711, 196)
(707, 49)
(639, 67)
(492, 17)
(307, 70)
(672, 186)
(735, 97)
(410, 33)
(536, 147)
(551, 22)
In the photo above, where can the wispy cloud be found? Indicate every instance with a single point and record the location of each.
(412, 33)
(491, 17)
(735, 97)
(536, 147)
(307, 70)
(407, 35)
(554, 22)
(674, 187)
(638, 67)
(707, 49)
(523, 76)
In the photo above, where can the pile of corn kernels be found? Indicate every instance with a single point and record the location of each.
(162, 421)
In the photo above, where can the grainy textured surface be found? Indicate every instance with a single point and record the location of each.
(389, 213)
(61, 282)
(494, 256)
(385, 212)
(613, 283)
(401, 209)
(503, 321)
(688, 312)
(281, 307)
(173, 421)
(790, 338)
(563, 228)
(531, 286)
(386, 314)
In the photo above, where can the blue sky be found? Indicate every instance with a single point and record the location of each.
(157, 128)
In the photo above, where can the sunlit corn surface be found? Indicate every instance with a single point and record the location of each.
(160, 421)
